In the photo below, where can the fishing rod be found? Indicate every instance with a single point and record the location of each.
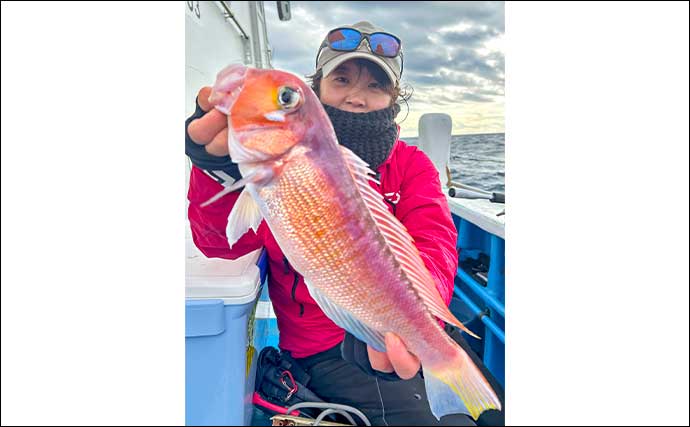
(463, 191)
(468, 192)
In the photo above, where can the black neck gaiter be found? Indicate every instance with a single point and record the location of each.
(369, 135)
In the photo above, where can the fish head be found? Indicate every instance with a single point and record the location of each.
(269, 112)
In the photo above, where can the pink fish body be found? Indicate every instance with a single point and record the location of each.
(358, 261)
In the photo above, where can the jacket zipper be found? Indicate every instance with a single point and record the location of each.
(286, 269)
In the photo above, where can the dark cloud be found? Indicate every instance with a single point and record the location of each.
(464, 60)
(444, 77)
(473, 37)
(469, 61)
(416, 23)
(463, 68)
(425, 60)
(449, 96)
(447, 58)
(475, 98)
(433, 15)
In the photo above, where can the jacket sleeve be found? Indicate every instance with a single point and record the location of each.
(208, 224)
(423, 209)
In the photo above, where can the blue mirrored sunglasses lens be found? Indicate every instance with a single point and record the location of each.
(384, 44)
(344, 39)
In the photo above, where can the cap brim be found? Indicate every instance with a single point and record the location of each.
(333, 63)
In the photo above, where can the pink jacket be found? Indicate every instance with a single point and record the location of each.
(409, 183)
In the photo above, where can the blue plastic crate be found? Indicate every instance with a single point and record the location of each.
(220, 363)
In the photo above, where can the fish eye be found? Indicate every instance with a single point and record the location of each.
(288, 97)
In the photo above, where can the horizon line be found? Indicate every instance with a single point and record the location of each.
(461, 134)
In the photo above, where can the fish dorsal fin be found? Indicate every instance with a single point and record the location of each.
(399, 241)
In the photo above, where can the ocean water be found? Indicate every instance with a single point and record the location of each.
(477, 160)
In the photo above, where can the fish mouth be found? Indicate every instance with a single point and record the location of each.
(228, 85)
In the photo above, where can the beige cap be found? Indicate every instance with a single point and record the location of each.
(329, 59)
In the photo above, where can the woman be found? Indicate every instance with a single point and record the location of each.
(357, 79)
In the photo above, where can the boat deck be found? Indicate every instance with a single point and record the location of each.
(480, 212)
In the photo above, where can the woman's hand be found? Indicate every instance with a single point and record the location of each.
(396, 358)
(211, 130)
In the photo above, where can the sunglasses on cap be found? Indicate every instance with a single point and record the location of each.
(349, 39)
(346, 39)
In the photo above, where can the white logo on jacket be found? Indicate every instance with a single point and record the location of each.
(393, 198)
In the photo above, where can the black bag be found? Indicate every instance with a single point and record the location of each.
(282, 382)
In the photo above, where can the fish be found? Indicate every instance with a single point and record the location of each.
(359, 263)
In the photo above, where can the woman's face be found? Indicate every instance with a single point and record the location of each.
(352, 88)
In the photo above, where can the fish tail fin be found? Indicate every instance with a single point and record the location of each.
(458, 386)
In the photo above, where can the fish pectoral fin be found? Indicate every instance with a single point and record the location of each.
(347, 320)
(244, 215)
(253, 177)
(227, 190)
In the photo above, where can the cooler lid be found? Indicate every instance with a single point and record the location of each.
(234, 281)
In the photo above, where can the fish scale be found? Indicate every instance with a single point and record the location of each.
(298, 186)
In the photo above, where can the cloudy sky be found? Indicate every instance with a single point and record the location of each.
(453, 52)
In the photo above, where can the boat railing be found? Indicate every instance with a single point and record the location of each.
(479, 293)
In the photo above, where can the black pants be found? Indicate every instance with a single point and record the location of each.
(400, 403)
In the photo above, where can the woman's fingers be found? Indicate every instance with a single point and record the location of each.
(219, 145)
(202, 98)
(205, 129)
(406, 365)
(379, 361)
(396, 358)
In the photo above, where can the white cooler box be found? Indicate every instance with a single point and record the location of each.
(219, 362)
